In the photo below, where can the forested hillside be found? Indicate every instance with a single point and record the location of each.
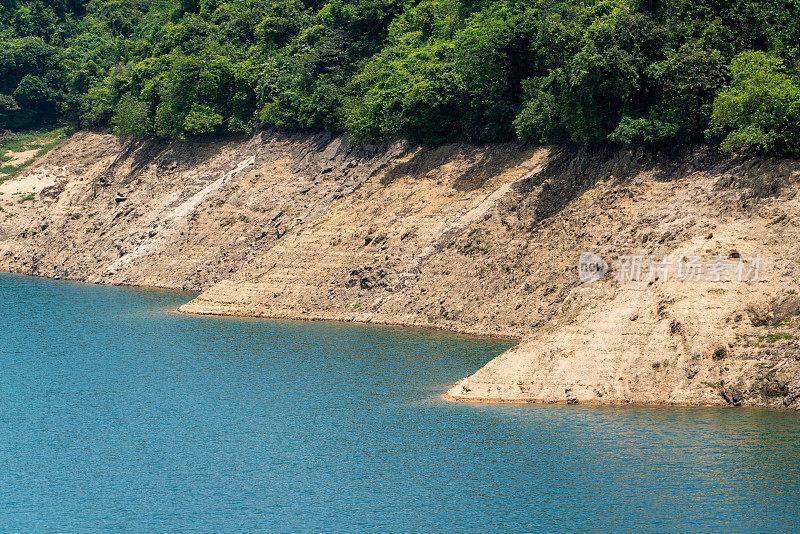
(585, 71)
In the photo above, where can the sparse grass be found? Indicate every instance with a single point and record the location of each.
(713, 385)
(777, 336)
(227, 221)
(31, 139)
(40, 140)
(26, 198)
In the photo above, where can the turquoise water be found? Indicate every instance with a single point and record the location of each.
(118, 415)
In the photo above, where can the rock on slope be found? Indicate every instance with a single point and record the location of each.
(481, 240)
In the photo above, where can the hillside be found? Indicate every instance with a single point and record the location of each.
(481, 240)
(634, 72)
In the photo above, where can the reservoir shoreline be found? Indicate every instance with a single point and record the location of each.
(475, 240)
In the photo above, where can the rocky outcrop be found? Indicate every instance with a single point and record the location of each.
(481, 240)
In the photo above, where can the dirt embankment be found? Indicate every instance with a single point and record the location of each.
(480, 240)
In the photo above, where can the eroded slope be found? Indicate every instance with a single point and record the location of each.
(480, 240)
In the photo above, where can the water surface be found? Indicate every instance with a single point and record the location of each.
(119, 415)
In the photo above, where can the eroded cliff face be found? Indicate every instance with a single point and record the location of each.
(481, 240)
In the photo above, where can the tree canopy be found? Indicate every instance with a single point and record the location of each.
(644, 72)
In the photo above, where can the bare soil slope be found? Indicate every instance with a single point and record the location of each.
(481, 240)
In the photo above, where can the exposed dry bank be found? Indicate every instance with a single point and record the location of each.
(480, 240)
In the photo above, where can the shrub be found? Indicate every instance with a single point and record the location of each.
(761, 107)
(132, 116)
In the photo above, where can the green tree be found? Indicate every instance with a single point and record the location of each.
(202, 119)
(761, 108)
(8, 108)
(36, 101)
(689, 79)
(416, 94)
(132, 116)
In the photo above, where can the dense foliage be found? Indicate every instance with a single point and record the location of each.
(585, 71)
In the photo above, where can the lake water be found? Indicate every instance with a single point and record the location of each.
(119, 415)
